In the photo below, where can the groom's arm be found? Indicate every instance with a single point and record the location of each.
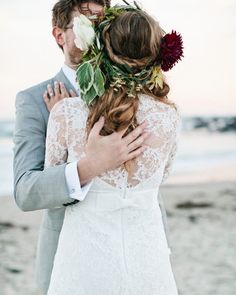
(35, 188)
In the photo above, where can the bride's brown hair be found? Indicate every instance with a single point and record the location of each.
(132, 39)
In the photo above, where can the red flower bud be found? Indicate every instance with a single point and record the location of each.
(171, 50)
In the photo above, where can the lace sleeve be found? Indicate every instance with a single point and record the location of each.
(173, 150)
(169, 162)
(56, 141)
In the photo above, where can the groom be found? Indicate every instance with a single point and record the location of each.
(56, 187)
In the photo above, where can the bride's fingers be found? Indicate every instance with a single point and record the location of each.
(49, 101)
(50, 90)
(56, 89)
(46, 98)
(72, 93)
(64, 92)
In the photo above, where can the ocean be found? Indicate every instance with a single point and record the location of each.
(207, 145)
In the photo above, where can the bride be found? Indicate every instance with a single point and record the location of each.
(113, 242)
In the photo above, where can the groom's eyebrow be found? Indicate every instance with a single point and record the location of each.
(84, 7)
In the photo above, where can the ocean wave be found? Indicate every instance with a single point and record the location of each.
(211, 124)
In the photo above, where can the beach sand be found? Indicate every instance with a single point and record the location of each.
(202, 232)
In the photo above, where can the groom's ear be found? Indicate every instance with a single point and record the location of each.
(59, 36)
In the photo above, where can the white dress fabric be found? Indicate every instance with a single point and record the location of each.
(113, 242)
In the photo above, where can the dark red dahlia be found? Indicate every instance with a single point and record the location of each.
(171, 50)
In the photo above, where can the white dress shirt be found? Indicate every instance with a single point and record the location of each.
(71, 173)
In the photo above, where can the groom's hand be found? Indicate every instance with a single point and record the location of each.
(109, 152)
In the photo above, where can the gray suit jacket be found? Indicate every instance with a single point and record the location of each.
(34, 187)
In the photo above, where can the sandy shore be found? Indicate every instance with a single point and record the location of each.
(202, 232)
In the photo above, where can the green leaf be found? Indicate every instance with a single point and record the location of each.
(98, 42)
(85, 76)
(99, 82)
(89, 96)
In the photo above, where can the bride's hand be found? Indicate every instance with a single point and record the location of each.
(54, 94)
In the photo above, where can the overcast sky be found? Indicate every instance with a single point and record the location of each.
(204, 83)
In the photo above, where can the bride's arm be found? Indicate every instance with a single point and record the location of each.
(56, 152)
(169, 163)
(56, 139)
(174, 145)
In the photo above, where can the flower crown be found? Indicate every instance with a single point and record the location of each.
(98, 71)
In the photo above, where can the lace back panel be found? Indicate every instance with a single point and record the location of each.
(66, 140)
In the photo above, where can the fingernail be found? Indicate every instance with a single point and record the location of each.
(102, 118)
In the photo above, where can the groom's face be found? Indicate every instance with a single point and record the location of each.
(71, 52)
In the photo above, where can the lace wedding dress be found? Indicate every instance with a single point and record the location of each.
(113, 242)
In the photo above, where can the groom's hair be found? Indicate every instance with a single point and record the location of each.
(62, 10)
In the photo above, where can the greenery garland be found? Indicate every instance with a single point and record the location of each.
(97, 72)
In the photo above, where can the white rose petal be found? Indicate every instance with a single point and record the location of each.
(84, 20)
(84, 32)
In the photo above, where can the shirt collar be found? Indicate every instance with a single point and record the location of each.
(71, 76)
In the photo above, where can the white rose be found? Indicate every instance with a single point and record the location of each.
(84, 32)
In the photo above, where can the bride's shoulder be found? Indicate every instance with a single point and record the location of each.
(69, 103)
(151, 105)
(70, 107)
(159, 114)
(75, 103)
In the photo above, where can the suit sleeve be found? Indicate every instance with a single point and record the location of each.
(34, 187)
